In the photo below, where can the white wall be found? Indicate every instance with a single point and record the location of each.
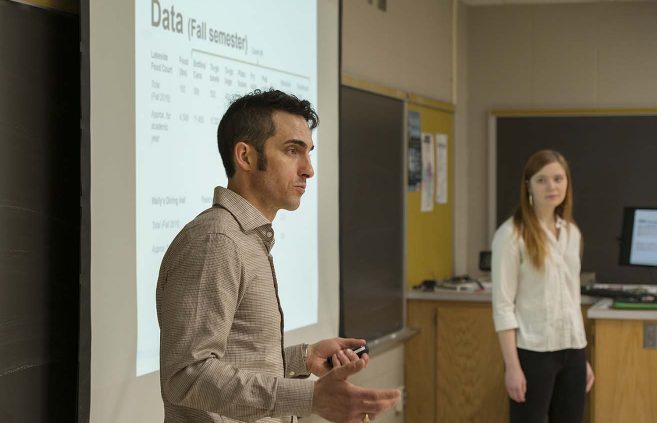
(591, 55)
(408, 47)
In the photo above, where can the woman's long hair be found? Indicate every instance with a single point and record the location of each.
(525, 221)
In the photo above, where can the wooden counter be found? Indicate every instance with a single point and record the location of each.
(454, 368)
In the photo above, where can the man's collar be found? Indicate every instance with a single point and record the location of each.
(245, 213)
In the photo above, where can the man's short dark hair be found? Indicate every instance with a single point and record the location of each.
(249, 119)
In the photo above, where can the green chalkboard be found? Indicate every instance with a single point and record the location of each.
(613, 160)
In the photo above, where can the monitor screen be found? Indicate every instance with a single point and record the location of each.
(639, 238)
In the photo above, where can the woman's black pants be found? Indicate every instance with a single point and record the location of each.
(556, 387)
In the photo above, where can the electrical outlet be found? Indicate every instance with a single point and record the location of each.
(650, 335)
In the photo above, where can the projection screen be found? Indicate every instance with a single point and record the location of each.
(162, 73)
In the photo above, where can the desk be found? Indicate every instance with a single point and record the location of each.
(626, 372)
(454, 368)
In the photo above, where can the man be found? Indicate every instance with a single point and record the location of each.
(222, 356)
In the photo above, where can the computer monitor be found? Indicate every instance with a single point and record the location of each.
(639, 237)
(485, 260)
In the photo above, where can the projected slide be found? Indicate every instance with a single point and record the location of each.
(191, 59)
(644, 238)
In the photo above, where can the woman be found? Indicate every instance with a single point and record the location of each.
(536, 298)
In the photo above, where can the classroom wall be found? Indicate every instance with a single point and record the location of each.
(591, 55)
(408, 47)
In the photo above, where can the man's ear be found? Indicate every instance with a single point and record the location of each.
(245, 156)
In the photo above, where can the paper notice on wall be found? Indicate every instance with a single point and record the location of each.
(414, 152)
(441, 169)
(428, 172)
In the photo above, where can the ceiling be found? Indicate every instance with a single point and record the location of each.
(501, 2)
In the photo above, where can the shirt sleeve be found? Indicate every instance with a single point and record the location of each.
(505, 266)
(295, 362)
(198, 300)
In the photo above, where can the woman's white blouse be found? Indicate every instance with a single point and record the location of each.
(544, 306)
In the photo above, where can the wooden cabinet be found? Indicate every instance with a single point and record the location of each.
(454, 368)
(626, 373)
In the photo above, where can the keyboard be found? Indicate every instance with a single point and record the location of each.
(620, 295)
(606, 292)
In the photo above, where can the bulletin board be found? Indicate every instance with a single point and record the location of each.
(429, 234)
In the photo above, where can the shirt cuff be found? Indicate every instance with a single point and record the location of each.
(505, 322)
(294, 397)
(295, 362)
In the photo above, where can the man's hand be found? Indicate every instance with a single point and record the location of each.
(337, 400)
(340, 347)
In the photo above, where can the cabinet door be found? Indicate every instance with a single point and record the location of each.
(469, 366)
(420, 363)
(625, 386)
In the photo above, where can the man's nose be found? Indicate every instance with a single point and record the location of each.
(307, 168)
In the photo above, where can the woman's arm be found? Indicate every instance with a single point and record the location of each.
(514, 378)
(505, 274)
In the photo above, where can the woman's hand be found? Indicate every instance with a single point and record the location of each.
(516, 384)
(590, 377)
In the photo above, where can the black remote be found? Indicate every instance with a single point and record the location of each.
(358, 350)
